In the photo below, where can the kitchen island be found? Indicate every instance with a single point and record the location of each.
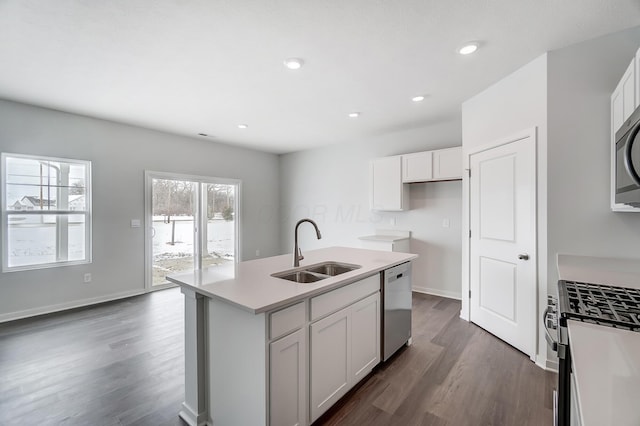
(261, 350)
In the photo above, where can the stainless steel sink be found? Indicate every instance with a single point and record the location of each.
(317, 272)
(332, 268)
(299, 277)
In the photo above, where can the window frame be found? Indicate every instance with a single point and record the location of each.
(6, 213)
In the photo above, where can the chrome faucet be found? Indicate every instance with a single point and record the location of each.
(297, 253)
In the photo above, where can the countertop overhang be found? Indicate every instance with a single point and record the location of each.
(250, 286)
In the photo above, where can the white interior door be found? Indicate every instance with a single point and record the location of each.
(503, 241)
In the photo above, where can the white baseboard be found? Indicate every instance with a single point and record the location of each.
(11, 316)
(438, 292)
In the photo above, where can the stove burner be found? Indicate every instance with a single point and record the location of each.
(600, 304)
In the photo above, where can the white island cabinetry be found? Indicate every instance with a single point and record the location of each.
(287, 361)
(262, 350)
(345, 345)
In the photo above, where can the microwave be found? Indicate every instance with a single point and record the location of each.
(627, 161)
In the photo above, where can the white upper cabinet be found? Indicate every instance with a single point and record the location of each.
(447, 164)
(387, 191)
(389, 174)
(417, 167)
(623, 99)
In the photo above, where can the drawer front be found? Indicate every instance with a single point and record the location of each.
(285, 320)
(343, 296)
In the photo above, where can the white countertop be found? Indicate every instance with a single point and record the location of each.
(606, 364)
(387, 235)
(250, 286)
(600, 270)
(384, 238)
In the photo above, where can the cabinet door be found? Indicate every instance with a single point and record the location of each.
(386, 184)
(417, 167)
(287, 380)
(329, 361)
(447, 164)
(629, 91)
(365, 336)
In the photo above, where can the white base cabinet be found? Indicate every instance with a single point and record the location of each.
(345, 346)
(287, 380)
(329, 361)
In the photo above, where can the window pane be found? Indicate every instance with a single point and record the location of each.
(173, 213)
(32, 239)
(35, 184)
(220, 230)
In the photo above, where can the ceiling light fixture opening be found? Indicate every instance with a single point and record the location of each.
(293, 63)
(418, 98)
(243, 126)
(354, 114)
(468, 48)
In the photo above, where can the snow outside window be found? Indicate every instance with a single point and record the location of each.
(46, 212)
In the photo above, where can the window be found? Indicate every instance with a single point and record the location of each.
(46, 212)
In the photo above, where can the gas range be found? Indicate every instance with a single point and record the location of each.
(599, 304)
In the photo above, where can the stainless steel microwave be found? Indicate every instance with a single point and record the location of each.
(627, 161)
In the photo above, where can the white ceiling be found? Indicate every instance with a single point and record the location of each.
(204, 66)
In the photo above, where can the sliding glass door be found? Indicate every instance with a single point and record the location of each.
(191, 224)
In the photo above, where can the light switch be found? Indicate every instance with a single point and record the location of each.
(135, 223)
(446, 223)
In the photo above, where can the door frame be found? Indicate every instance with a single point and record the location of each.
(199, 217)
(465, 312)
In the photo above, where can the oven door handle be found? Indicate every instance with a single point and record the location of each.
(550, 340)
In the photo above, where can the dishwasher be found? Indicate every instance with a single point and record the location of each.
(396, 308)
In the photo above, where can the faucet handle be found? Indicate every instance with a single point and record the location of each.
(300, 256)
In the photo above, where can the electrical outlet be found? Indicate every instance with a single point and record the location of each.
(87, 277)
(257, 252)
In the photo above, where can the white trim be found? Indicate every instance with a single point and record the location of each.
(12, 316)
(465, 312)
(437, 292)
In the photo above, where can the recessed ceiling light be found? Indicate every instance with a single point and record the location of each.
(419, 98)
(243, 126)
(354, 114)
(468, 48)
(293, 63)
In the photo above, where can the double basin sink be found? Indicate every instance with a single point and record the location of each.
(317, 272)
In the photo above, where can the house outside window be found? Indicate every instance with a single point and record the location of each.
(46, 212)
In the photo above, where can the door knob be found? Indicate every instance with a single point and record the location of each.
(523, 256)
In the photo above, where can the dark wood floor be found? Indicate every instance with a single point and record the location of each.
(121, 363)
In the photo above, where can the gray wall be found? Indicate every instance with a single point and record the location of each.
(515, 103)
(331, 186)
(581, 80)
(566, 94)
(119, 155)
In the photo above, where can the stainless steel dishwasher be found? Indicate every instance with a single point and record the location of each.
(396, 305)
